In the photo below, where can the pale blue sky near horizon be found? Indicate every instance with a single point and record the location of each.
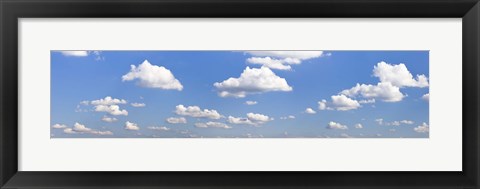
(99, 94)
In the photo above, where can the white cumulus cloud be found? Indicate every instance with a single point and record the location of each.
(251, 119)
(108, 100)
(271, 63)
(153, 76)
(212, 124)
(383, 91)
(334, 125)
(111, 109)
(424, 128)
(176, 120)
(59, 126)
(310, 111)
(339, 102)
(358, 126)
(281, 60)
(195, 111)
(252, 81)
(79, 128)
(131, 126)
(398, 75)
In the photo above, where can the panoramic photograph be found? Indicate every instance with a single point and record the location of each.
(239, 94)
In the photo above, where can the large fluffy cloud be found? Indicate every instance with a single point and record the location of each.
(111, 109)
(398, 75)
(131, 126)
(383, 91)
(251, 119)
(252, 81)
(335, 125)
(195, 111)
(109, 105)
(212, 124)
(392, 78)
(340, 103)
(153, 76)
(281, 60)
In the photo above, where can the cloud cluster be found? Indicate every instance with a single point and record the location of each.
(195, 111)
(131, 126)
(176, 120)
(392, 78)
(424, 128)
(153, 76)
(338, 102)
(252, 81)
(111, 109)
(281, 60)
(212, 124)
(109, 105)
(334, 125)
(251, 119)
(82, 129)
(382, 91)
(108, 100)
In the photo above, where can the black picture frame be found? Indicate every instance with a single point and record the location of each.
(12, 10)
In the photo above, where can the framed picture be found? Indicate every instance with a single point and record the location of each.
(234, 94)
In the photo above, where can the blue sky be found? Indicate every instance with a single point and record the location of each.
(229, 94)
